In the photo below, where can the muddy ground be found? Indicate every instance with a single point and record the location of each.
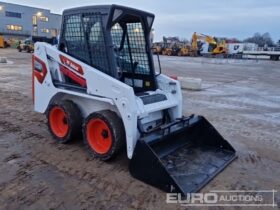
(240, 98)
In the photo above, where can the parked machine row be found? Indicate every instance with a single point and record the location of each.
(200, 44)
(208, 46)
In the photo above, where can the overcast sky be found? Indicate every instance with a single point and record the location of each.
(221, 18)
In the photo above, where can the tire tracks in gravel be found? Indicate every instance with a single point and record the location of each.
(110, 181)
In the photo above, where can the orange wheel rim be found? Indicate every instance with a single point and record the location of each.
(58, 122)
(99, 136)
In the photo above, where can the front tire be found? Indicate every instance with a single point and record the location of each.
(104, 134)
(64, 121)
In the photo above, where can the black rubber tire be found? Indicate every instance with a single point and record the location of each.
(117, 130)
(74, 120)
(274, 57)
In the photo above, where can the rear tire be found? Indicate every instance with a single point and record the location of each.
(104, 134)
(64, 121)
(274, 57)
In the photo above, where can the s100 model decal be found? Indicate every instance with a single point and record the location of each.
(71, 64)
(72, 70)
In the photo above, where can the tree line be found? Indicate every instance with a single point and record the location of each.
(262, 40)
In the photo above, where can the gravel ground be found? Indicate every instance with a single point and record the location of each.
(241, 98)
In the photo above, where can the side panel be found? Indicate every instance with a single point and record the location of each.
(43, 90)
(124, 99)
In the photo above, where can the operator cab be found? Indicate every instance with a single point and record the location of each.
(112, 39)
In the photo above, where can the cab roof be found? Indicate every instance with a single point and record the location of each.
(105, 9)
(111, 13)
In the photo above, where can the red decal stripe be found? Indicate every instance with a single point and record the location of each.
(40, 75)
(81, 81)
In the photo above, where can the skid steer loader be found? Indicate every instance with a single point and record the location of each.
(100, 81)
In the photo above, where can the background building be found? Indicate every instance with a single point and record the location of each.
(20, 21)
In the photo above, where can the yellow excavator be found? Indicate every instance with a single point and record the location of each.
(215, 48)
